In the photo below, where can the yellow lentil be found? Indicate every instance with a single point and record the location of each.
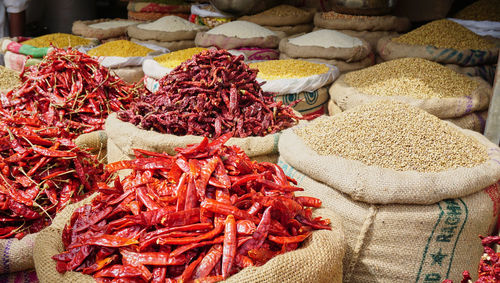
(287, 69)
(174, 59)
(283, 11)
(445, 34)
(8, 78)
(482, 10)
(393, 135)
(120, 48)
(414, 77)
(61, 40)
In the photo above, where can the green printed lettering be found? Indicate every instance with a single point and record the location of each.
(452, 220)
(432, 277)
(444, 237)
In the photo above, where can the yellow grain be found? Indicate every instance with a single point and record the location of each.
(287, 69)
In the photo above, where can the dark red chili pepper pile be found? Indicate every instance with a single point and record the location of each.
(489, 265)
(71, 90)
(206, 213)
(41, 171)
(212, 94)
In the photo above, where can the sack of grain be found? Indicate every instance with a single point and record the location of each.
(407, 218)
(422, 10)
(481, 10)
(256, 53)
(372, 37)
(333, 108)
(102, 28)
(421, 83)
(327, 44)
(338, 21)
(474, 121)
(170, 45)
(153, 16)
(442, 41)
(238, 34)
(159, 66)
(169, 28)
(342, 66)
(292, 30)
(153, 7)
(282, 15)
(129, 74)
(486, 72)
(323, 252)
(9, 79)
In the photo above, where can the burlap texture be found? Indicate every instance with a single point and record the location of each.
(129, 74)
(486, 72)
(353, 54)
(170, 45)
(378, 185)
(372, 37)
(373, 23)
(143, 34)
(82, 28)
(292, 30)
(141, 16)
(404, 243)
(311, 101)
(17, 255)
(95, 141)
(333, 108)
(347, 97)
(323, 252)
(390, 50)
(123, 137)
(204, 39)
(343, 66)
(256, 53)
(275, 21)
(474, 121)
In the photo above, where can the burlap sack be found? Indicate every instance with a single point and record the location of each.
(347, 97)
(143, 34)
(16, 255)
(170, 45)
(486, 72)
(343, 66)
(83, 28)
(401, 226)
(312, 102)
(256, 53)
(474, 121)
(390, 50)
(129, 74)
(204, 39)
(292, 30)
(372, 37)
(323, 252)
(26, 276)
(141, 16)
(353, 54)
(333, 108)
(363, 23)
(264, 19)
(96, 142)
(123, 137)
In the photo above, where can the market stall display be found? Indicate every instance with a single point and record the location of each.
(391, 149)
(223, 208)
(160, 66)
(103, 29)
(301, 84)
(255, 41)
(154, 10)
(285, 18)
(345, 52)
(208, 15)
(419, 82)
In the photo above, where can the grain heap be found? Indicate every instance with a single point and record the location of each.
(482, 10)
(395, 172)
(369, 28)
(151, 10)
(60, 40)
(285, 18)
(174, 59)
(103, 29)
(120, 48)
(422, 83)
(172, 32)
(8, 79)
(287, 69)
(254, 41)
(346, 52)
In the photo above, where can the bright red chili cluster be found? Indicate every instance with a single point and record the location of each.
(70, 90)
(212, 94)
(41, 171)
(205, 213)
(489, 265)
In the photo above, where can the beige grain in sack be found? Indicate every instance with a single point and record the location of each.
(292, 30)
(86, 28)
(282, 15)
(323, 253)
(129, 74)
(343, 66)
(170, 45)
(347, 97)
(401, 226)
(95, 141)
(123, 137)
(337, 21)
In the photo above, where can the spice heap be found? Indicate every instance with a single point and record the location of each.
(445, 34)
(482, 10)
(120, 48)
(174, 59)
(8, 78)
(414, 77)
(287, 69)
(60, 40)
(204, 214)
(212, 94)
(41, 171)
(393, 135)
(70, 90)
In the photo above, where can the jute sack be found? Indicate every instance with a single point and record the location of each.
(143, 34)
(401, 226)
(343, 66)
(256, 53)
(170, 45)
(129, 74)
(85, 29)
(347, 97)
(204, 39)
(390, 50)
(474, 121)
(333, 108)
(312, 102)
(362, 23)
(372, 37)
(322, 252)
(266, 19)
(352, 54)
(486, 72)
(95, 141)
(123, 137)
(292, 30)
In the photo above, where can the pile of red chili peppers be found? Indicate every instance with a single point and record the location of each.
(212, 94)
(489, 265)
(41, 171)
(205, 213)
(71, 90)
